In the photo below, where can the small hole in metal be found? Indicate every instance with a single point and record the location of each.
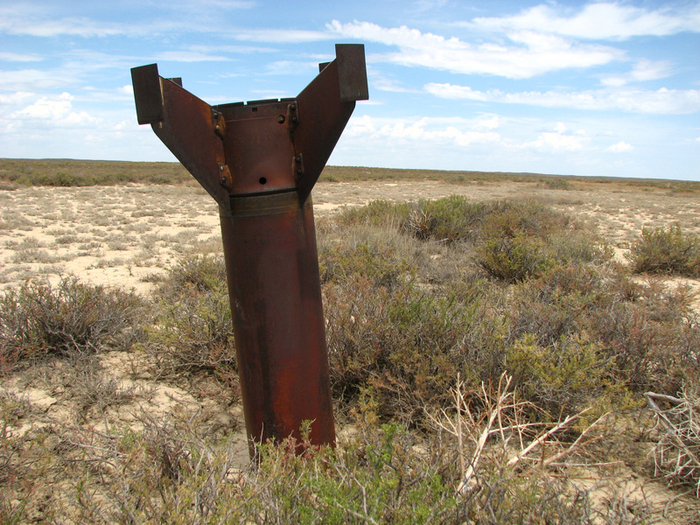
(263, 180)
(254, 108)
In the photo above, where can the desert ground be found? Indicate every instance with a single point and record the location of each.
(124, 235)
(128, 236)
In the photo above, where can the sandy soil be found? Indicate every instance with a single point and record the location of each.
(123, 236)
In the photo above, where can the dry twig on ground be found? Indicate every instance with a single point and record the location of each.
(677, 454)
(502, 417)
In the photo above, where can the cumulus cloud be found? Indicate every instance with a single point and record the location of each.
(620, 147)
(456, 131)
(528, 54)
(661, 101)
(488, 122)
(13, 99)
(55, 111)
(599, 21)
(557, 142)
(643, 71)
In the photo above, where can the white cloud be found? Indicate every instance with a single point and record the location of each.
(456, 131)
(643, 71)
(22, 24)
(598, 21)
(280, 36)
(389, 84)
(55, 111)
(220, 5)
(291, 67)
(491, 122)
(662, 101)
(529, 55)
(23, 79)
(189, 56)
(620, 147)
(234, 49)
(362, 126)
(47, 108)
(47, 21)
(17, 57)
(14, 99)
(558, 141)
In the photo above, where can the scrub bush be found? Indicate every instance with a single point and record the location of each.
(192, 329)
(667, 251)
(38, 320)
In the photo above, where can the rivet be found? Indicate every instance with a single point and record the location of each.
(297, 158)
(218, 128)
(300, 171)
(223, 180)
(293, 107)
(216, 115)
(221, 167)
(280, 119)
(295, 120)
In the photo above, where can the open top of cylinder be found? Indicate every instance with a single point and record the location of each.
(259, 147)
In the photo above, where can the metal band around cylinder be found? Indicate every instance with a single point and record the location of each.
(272, 204)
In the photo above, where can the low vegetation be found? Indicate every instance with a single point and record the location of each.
(666, 251)
(38, 321)
(65, 172)
(70, 172)
(482, 355)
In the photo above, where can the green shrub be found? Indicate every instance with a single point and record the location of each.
(407, 344)
(172, 472)
(203, 273)
(513, 259)
(513, 241)
(38, 320)
(450, 219)
(557, 183)
(192, 328)
(375, 213)
(649, 334)
(562, 378)
(519, 241)
(666, 251)
(195, 333)
(579, 247)
(382, 263)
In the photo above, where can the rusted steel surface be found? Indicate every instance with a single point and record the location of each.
(260, 161)
(272, 268)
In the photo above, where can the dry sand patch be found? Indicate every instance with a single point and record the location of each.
(124, 235)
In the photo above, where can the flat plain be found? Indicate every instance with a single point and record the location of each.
(124, 235)
(128, 234)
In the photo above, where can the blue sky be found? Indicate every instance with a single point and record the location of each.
(576, 88)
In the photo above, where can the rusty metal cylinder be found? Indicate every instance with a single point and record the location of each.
(259, 161)
(274, 288)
